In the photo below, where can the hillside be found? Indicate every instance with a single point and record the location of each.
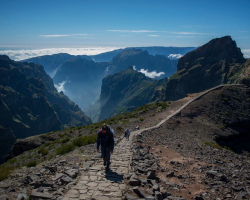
(29, 102)
(203, 150)
(217, 62)
(125, 91)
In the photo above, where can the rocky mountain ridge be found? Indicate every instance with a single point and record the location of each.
(217, 62)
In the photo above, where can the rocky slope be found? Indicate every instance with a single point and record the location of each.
(201, 153)
(125, 91)
(29, 102)
(217, 62)
(51, 169)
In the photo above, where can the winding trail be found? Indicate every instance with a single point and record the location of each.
(98, 184)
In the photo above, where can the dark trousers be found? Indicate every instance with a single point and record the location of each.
(105, 150)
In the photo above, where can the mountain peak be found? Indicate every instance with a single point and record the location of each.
(216, 49)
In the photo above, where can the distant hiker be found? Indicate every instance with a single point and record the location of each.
(105, 138)
(127, 133)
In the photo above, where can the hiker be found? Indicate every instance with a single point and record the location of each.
(105, 138)
(127, 133)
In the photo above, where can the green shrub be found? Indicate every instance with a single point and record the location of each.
(64, 140)
(31, 163)
(85, 140)
(141, 119)
(66, 148)
(5, 172)
(43, 151)
(211, 144)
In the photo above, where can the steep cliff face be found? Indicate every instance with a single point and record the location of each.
(6, 141)
(217, 62)
(125, 91)
(29, 102)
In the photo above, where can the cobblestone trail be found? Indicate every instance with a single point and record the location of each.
(98, 184)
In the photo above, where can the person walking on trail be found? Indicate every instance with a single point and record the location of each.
(127, 133)
(105, 138)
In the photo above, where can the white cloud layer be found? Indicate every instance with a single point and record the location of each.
(26, 53)
(70, 35)
(174, 56)
(246, 53)
(132, 31)
(60, 86)
(152, 74)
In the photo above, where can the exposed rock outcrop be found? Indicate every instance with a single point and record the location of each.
(217, 62)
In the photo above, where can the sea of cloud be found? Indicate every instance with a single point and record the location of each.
(27, 53)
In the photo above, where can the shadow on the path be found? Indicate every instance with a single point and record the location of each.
(113, 176)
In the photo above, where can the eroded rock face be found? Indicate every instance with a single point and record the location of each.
(214, 63)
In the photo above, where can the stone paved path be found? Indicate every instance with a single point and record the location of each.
(98, 184)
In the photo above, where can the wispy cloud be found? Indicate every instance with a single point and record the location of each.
(153, 35)
(154, 31)
(243, 31)
(132, 31)
(187, 33)
(60, 86)
(152, 74)
(53, 36)
(68, 35)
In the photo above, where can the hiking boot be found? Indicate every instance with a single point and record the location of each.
(107, 168)
(104, 163)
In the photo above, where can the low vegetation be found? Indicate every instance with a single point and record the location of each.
(65, 141)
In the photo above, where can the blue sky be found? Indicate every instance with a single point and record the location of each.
(61, 23)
